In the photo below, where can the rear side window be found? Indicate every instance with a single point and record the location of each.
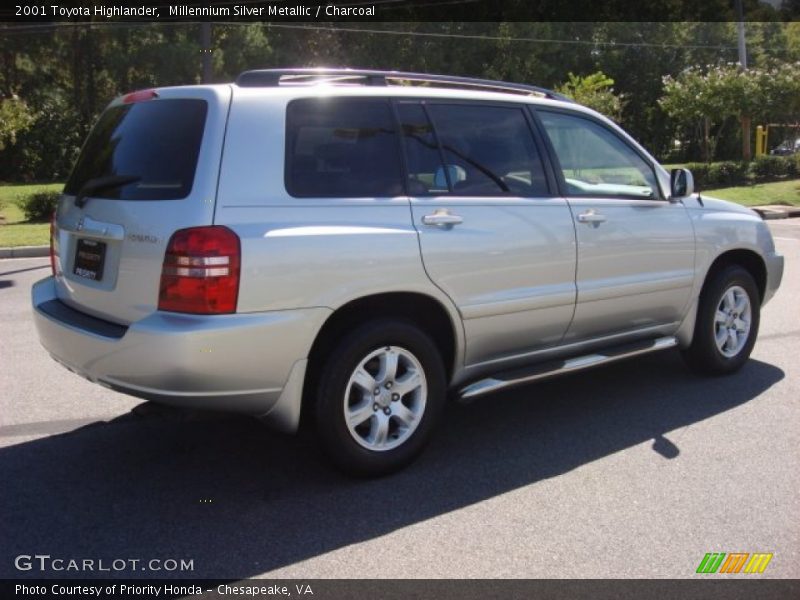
(339, 148)
(155, 144)
(488, 150)
(426, 174)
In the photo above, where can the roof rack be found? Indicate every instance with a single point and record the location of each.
(306, 76)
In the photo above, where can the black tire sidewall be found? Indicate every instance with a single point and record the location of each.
(704, 356)
(331, 427)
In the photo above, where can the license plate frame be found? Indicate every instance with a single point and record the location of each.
(90, 256)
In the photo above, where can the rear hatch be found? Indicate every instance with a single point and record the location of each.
(148, 168)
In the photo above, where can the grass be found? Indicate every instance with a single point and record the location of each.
(779, 192)
(14, 230)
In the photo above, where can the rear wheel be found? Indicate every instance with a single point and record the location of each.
(379, 396)
(727, 323)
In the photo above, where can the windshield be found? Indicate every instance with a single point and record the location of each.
(153, 146)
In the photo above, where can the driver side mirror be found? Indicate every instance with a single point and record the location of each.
(681, 183)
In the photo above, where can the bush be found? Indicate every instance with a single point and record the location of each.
(700, 174)
(38, 207)
(765, 168)
(770, 168)
(727, 173)
(730, 173)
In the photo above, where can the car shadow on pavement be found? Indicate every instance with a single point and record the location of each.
(240, 500)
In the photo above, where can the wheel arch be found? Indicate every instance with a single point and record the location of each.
(424, 310)
(750, 260)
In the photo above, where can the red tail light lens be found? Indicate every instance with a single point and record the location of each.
(53, 244)
(201, 271)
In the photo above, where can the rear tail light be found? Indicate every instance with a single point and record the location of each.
(201, 271)
(53, 244)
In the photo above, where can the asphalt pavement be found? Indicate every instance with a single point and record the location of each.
(637, 469)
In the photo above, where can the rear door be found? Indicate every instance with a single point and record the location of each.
(635, 247)
(148, 168)
(492, 235)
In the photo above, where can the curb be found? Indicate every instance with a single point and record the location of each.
(25, 252)
(769, 213)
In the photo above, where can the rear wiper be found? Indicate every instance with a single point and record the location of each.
(102, 183)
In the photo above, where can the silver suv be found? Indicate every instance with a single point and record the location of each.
(350, 246)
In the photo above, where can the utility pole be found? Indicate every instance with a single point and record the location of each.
(746, 122)
(205, 51)
(740, 28)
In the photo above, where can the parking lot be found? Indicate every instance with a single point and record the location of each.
(633, 470)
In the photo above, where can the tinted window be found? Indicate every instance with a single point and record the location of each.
(595, 161)
(342, 148)
(488, 150)
(426, 174)
(157, 141)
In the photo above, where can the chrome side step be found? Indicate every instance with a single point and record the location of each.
(552, 368)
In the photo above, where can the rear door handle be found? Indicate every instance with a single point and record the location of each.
(442, 218)
(591, 217)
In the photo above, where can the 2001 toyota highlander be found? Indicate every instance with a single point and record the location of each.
(328, 240)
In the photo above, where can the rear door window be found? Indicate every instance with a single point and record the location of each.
(426, 174)
(488, 150)
(342, 148)
(152, 144)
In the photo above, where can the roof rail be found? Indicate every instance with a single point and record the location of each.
(276, 77)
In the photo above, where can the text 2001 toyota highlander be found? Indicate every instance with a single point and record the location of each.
(328, 241)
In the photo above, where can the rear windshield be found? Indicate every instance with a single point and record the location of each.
(153, 143)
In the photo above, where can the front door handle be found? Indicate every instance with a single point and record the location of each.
(591, 217)
(442, 218)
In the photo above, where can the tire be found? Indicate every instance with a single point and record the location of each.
(729, 301)
(376, 431)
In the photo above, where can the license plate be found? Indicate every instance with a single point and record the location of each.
(89, 258)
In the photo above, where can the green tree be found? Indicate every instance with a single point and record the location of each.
(715, 94)
(15, 117)
(595, 91)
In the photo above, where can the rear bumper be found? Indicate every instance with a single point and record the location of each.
(250, 363)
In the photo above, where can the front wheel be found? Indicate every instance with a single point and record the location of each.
(379, 396)
(727, 323)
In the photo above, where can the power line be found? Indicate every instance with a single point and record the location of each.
(467, 36)
(32, 29)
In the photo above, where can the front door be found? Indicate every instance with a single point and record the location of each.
(635, 248)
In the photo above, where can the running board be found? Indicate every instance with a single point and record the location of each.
(558, 367)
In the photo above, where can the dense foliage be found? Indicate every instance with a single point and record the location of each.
(39, 206)
(732, 173)
(715, 94)
(594, 91)
(55, 80)
(15, 117)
